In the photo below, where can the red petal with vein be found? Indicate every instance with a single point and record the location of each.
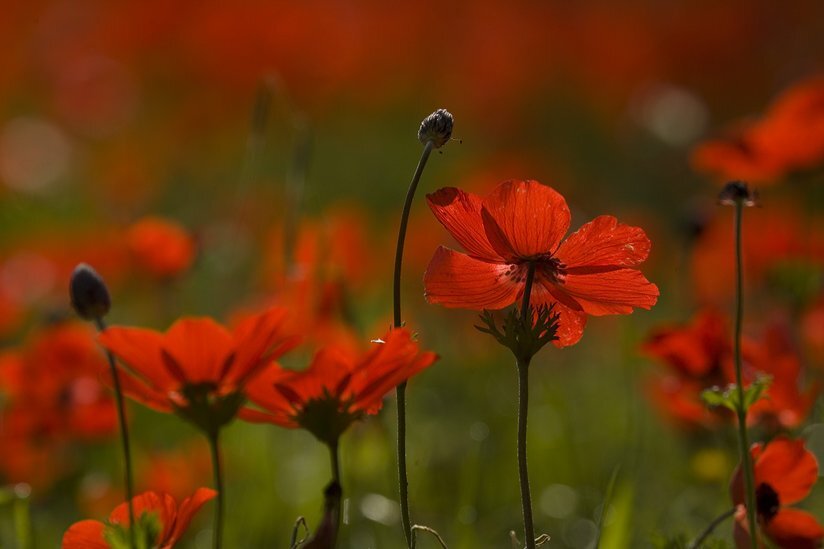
(200, 346)
(794, 529)
(140, 349)
(258, 340)
(788, 467)
(609, 293)
(604, 242)
(86, 534)
(135, 389)
(187, 510)
(454, 279)
(460, 213)
(525, 219)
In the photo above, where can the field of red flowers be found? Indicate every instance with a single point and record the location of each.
(411, 275)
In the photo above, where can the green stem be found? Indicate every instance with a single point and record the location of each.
(709, 529)
(335, 461)
(217, 536)
(124, 433)
(523, 408)
(403, 481)
(741, 412)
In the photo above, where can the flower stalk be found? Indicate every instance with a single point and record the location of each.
(217, 531)
(522, 362)
(434, 132)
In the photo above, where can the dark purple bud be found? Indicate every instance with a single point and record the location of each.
(437, 127)
(89, 295)
(737, 191)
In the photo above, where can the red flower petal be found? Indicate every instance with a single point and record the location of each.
(614, 292)
(794, 529)
(454, 279)
(86, 534)
(163, 505)
(187, 510)
(571, 319)
(524, 219)
(140, 349)
(258, 340)
(201, 347)
(788, 467)
(460, 213)
(604, 242)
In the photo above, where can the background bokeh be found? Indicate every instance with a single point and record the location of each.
(245, 123)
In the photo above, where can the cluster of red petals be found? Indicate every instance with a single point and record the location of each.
(51, 396)
(522, 222)
(785, 472)
(699, 356)
(174, 520)
(357, 382)
(777, 242)
(160, 247)
(196, 351)
(788, 138)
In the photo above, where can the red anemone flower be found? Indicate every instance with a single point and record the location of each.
(522, 222)
(173, 520)
(785, 472)
(338, 388)
(160, 247)
(198, 363)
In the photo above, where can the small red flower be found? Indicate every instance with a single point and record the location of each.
(197, 362)
(173, 520)
(338, 388)
(160, 247)
(524, 221)
(785, 472)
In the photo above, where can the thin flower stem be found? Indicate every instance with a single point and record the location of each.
(523, 409)
(741, 412)
(710, 528)
(334, 459)
(124, 433)
(403, 481)
(217, 529)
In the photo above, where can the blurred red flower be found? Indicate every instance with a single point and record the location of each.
(173, 520)
(52, 396)
(160, 247)
(524, 221)
(699, 356)
(339, 386)
(197, 363)
(789, 138)
(785, 472)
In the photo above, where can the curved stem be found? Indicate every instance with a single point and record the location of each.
(523, 473)
(523, 409)
(217, 531)
(403, 481)
(124, 433)
(741, 412)
(709, 529)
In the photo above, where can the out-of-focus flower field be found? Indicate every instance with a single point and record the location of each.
(220, 158)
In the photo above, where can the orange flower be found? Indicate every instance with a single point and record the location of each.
(198, 368)
(160, 247)
(785, 472)
(173, 521)
(523, 222)
(790, 137)
(699, 356)
(338, 388)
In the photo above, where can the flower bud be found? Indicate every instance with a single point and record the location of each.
(736, 191)
(89, 295)
(437, 127)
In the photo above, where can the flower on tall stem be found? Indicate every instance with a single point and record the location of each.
(522, 223)
(160, 523)
(338, 388)
(435, 131)
(513, 239)
(199, 370)
(784, 473)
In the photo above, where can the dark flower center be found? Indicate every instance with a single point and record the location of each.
(546, 266)
(766, 501)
